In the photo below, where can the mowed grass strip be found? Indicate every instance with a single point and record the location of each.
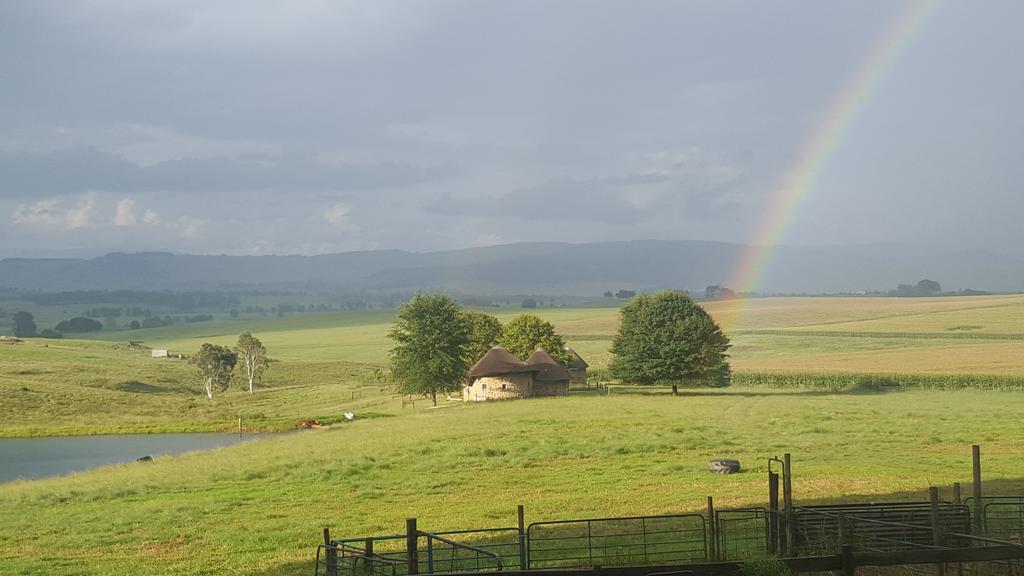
(258, 508)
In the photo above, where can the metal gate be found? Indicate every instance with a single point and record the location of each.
(741, 533)
(671, 539)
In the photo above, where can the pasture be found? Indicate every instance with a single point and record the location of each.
(325, 362)
(980, 334)
(257, 508)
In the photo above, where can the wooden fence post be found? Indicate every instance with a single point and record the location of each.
(773, 512)
(412, 543)
(979, 522)
(330, 554)
(712, 531)
(368, 553)
(849, 562)
(957, 497)
(523, 559)
(787, 502)
(844, 535)
(938, 537)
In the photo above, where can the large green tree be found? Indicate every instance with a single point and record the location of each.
(669, 338)
(24, 325)
(484, 333)
(431, 335)
(215, 364)
(253, 356)
(526, 332)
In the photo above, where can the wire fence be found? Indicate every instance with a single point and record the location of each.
(917, 529)
(1002, 516)
(874, 527)
(341, 560)
(671, 539)
(489, 549)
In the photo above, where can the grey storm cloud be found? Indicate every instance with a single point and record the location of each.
(688, 185)
(78, 169)
(610, 200)
(310, 126)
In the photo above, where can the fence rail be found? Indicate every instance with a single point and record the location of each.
(617, 541)
(984, 535)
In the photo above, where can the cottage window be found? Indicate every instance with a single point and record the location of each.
(504, 386)
(483, 386)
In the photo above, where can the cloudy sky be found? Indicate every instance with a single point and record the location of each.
(248, 127)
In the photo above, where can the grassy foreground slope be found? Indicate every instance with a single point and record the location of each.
(257, 508)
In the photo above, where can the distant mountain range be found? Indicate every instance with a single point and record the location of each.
(529, 268)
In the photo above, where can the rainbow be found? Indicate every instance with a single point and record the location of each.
(793, 188)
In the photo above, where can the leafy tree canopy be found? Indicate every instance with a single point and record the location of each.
(431, 336)
(253, 356)
(24, 325)
(79, 324)
(669, 338)
(485, 331)
(526, 332)
(215, 364)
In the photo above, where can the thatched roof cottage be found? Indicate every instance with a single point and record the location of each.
(501, 376)
(577, 368)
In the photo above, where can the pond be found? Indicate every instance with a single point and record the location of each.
(37, 457)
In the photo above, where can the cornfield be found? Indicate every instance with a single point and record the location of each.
(889, 335)
(853, 382)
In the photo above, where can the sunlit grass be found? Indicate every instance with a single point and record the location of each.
(258, 508)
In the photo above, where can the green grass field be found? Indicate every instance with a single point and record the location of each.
(257, 508)
(325, 362)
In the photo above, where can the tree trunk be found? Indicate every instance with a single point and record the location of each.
(250, 383)
(209, 388)
(433, 396)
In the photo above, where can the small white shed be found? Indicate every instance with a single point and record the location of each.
(159, 353)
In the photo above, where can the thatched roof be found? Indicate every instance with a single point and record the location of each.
(498, 362)
(577, 362)
(548, 370)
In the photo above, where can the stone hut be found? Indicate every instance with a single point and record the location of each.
(551, 378)
(499, 376)
(577, 368)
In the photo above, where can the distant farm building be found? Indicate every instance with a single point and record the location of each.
(501, 376)
(159, 353)
(577, 368)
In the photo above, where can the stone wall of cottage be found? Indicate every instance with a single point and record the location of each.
(551, 388)
(578, 376)
(499, 387)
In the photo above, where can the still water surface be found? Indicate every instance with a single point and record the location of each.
(38, 457)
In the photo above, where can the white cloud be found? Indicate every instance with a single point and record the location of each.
(338, 215)
(51, 214)
(125, 214)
